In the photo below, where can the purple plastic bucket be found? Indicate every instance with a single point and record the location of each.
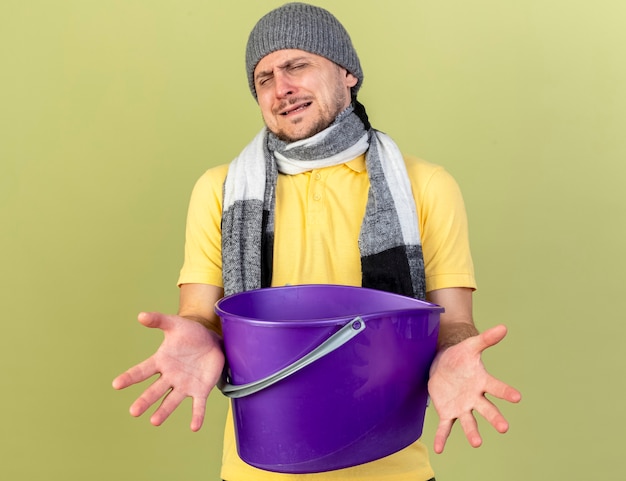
(360, 402)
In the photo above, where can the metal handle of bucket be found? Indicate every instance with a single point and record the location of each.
(334, 342)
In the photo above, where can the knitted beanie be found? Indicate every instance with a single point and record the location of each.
(303, 27)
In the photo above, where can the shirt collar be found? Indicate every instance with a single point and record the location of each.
(357, 164)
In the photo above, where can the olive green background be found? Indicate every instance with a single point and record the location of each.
(110, 110)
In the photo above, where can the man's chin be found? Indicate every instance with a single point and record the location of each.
(293, 135)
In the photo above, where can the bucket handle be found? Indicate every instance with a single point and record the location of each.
(343, 335)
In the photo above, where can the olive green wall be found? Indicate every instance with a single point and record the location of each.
(109, 111)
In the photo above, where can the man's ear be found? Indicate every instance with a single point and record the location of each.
(351, 80)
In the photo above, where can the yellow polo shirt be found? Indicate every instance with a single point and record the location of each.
(317, 223)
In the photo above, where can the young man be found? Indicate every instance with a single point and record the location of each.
(321, 197)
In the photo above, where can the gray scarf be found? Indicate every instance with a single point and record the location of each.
(389, 240)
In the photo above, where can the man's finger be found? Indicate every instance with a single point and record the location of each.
(151, 395)
(171, 401)
(198, 410)
(155, 320)
(501, 390)
(135, 374)
(492, 414)
(490, 337)
(470, 428)
(441, 436)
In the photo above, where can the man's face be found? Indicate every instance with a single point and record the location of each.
(300, 93)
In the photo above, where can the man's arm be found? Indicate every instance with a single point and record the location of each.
(197, 303)
(458, 379)
(457, 323)
(189, 361)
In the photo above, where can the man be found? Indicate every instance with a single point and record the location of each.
(321, 197)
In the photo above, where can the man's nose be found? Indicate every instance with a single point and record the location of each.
(284, 85)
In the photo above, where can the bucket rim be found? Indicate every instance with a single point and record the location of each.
(420, 305)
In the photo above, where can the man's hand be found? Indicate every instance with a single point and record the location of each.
(190, 361)
(458, 385)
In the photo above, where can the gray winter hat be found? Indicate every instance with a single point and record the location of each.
(303, 27)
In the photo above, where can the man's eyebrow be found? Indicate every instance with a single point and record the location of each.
(282, 66)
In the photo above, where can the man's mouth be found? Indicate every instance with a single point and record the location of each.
(296, 109)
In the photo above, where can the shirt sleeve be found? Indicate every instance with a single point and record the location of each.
(203, 235)
(443, 227)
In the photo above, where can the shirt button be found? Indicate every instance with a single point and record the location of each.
(318, 176)
(317, 197)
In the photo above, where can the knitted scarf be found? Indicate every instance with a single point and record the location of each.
(389, 239)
